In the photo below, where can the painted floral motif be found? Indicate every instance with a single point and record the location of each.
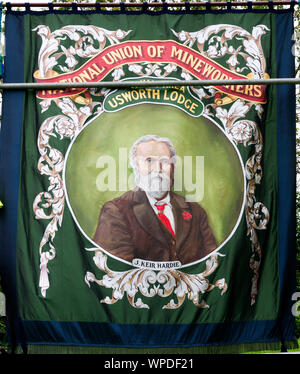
(187, 215)
(150, 283)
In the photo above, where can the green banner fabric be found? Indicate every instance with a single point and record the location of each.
(149, 217)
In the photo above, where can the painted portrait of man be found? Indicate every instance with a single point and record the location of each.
(151, 222)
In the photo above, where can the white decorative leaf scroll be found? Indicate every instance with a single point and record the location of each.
(150, 283)
(87, 41)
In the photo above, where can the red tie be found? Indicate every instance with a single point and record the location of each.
(164, 219)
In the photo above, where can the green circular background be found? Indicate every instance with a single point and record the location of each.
(223, 173)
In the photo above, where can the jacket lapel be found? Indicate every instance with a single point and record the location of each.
(147, 218)
(182, 225)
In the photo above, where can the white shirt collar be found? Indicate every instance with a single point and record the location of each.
(153, 201)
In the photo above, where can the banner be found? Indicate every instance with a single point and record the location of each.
(149, 217)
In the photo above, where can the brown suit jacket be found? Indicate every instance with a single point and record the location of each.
(129, 228)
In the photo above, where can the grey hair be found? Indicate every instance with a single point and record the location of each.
(146, 139)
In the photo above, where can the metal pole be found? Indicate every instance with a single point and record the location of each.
(154, 4)
(160, 83)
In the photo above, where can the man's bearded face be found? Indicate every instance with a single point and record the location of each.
(154, 168)
(156, 184)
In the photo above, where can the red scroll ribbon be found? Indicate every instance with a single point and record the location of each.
(132, 52)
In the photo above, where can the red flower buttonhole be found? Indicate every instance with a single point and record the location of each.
(186, 215)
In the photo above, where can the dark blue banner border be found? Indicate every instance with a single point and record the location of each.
(10, 145)
(286, 161)
(151, 336)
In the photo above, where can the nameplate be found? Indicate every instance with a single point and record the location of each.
(156, 265)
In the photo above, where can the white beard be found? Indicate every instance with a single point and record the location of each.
(155, 184)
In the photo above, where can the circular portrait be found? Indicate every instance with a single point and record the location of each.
(151, 182)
